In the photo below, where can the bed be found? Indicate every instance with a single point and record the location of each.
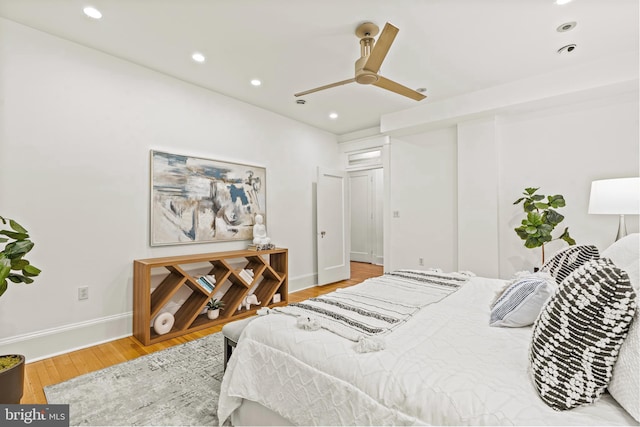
(442, 364)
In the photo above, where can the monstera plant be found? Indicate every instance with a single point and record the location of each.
(13, 266)
(542, 218)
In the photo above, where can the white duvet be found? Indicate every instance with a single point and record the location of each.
(445, 366)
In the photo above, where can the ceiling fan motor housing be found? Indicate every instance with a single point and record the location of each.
(363, 76)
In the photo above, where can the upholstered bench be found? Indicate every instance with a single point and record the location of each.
(231, 332)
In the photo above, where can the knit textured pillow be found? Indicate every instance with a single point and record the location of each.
(563, 262)
(577, 337)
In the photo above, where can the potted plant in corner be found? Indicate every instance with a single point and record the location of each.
(214, 307)
(14, 268)
(541, 219)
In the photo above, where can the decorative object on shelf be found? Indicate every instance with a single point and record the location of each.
(263, 311)
(276, 298)
(247, 275)
(266, 247)
(208, 282)
(616, 197)
(541, 219)
(214, 307)
(249, 300)
(260, 232)
(163, 323)
(198, 200)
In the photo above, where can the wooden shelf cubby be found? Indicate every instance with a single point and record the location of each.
(270, 271)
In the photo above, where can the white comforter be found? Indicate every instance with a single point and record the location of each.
(445, 366)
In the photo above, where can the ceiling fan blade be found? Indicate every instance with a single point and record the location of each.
(380, 49)
(343, 82)
(398, 88)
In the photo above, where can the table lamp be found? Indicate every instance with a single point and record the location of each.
(619, 196)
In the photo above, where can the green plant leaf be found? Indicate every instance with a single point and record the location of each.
(3, 287)
(530, 190)
(14, 235)
(30, 270)
(537, 197)
(17, 227)
(553, 217)
(557, 201)
(18, 249)
(19, 263)
(518, 201)
(541, 205)
(17, 278)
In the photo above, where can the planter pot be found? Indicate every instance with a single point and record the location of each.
(213, 314)
(12, 382)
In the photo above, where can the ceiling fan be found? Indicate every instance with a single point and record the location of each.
(372, 54)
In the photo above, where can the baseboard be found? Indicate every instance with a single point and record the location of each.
(302, 282)
(53, 342)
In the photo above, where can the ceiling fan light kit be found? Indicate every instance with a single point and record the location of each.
(372, 54)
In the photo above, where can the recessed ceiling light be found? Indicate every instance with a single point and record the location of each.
(566, 26)
(198, 57)
(256, 82)
(92, 12)
(561, 2)
(333, 116)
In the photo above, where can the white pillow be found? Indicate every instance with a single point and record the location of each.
(625, 381)
(625, 254)
(522, 301)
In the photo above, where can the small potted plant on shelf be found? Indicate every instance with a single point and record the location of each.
(541, 219)
(16, 269)
(214, 307)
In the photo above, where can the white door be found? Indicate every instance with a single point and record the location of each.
(361, 216)
(332, 227)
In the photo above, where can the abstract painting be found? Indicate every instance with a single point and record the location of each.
(197, 200)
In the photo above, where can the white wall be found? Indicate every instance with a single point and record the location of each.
(561, 150)
(475, 174)
(423, 192)
(76, 128)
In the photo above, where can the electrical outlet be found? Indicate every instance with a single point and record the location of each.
(420, 261)
(83, 293)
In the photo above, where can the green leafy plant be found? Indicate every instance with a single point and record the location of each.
(214, 304)
(541, 219)
(13, 266)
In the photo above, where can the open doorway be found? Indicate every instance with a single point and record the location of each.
(366, 215)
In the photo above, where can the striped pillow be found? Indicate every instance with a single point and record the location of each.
(563, 262)
(520, 303)
(577, 337)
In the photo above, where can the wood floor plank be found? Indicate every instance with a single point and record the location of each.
(66, 366)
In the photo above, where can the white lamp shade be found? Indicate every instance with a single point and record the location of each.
(615, 196)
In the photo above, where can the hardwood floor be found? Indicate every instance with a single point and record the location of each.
(66, 366)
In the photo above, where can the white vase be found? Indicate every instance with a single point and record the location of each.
(213, 314)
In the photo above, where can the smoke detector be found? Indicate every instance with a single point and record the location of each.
(567, 49)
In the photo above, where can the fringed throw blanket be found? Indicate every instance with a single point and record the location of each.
(376, 306)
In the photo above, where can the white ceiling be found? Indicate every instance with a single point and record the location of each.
(449, 47)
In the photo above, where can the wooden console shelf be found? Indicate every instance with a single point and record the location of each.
(269, 267)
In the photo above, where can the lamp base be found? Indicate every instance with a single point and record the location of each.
(622, 228)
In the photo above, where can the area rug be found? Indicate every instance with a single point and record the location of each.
(178, 386)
